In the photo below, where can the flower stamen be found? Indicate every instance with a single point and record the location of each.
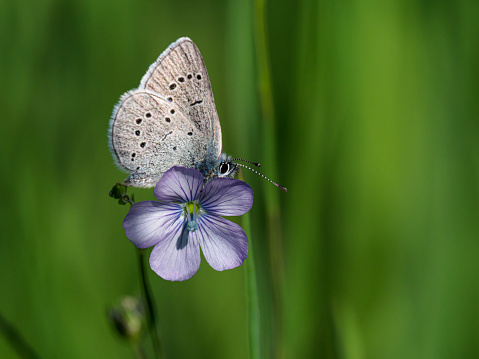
(191, 213)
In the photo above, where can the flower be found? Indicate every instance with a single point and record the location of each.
(187, 217)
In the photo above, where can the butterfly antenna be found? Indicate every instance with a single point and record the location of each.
(266, 178)
(253, 163)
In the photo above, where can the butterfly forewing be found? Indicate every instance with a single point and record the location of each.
(149, 135)
(180, 76)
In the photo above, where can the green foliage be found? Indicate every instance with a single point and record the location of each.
(377, 138)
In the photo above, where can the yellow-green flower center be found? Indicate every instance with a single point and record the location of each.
(191, 207)
(192, 210)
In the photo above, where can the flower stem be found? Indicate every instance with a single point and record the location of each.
(147, 294)
(16, 340)
(140, 352)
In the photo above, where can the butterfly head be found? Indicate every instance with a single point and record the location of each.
(224, 167)
(227, 167)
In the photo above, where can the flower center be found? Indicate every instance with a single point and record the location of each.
(192, 210)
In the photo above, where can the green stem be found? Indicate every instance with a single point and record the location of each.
(15, 339)
(140, 351)
(147, 294)
(275, 347)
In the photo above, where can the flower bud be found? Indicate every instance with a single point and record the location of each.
(128, 317)
(118, 192)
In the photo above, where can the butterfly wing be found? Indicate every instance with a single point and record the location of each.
(149, 135)
(180, 76)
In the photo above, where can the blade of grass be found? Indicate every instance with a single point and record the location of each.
(275, 346)
(254, 308)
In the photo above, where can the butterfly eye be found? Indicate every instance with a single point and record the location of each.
(224, 168)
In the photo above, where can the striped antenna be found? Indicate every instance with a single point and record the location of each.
(266, 178)
(253, 163)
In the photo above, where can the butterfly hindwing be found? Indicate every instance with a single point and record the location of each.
(149, 135)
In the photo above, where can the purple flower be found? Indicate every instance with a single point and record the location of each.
(187, 217)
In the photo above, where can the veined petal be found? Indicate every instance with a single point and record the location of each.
(223, 242)
(148, 222)
(177, 257)
(179, 184)
(226, 197)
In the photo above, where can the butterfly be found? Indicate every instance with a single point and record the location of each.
(170, 120)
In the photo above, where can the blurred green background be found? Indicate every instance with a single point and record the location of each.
(377, 141)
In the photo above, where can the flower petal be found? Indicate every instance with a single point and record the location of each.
(179, 184)
(224, 243)
(148, 222)
(226, 197)
(177, 257)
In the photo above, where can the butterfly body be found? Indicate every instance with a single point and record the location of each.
(169, 120)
